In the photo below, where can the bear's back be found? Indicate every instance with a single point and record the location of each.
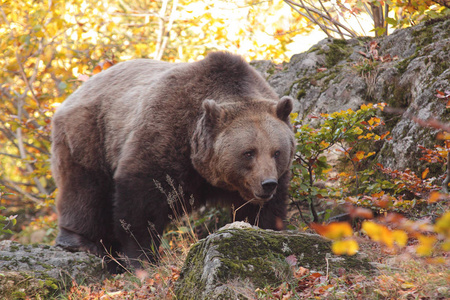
(114, 83)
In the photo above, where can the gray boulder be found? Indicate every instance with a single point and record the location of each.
(241, 257)
(44, 271)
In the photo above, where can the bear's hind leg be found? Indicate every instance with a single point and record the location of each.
(84, 204)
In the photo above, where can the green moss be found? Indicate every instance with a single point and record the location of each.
(337, 51)
(23, 285)
(397, 95)
(302, 83)
(440, 66)
(403, 64)
(301, 93)
(340, 42)
(6, 258)
(25, 259)
(313, 49)
(423, 36)
(18, 295)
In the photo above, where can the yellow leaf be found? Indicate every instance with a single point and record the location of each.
(360, 155)
(358, 130)
(407, 286)
(425, 246)
(324, 144)
(370, 154)
(110, 26)
(446, 245)
(378, 233)
(400, 237)
(425, 173)
(327, 170)
(349, 247)
(442, 225)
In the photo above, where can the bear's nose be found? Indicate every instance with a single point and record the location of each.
(269, 185)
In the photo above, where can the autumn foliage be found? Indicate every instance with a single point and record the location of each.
(389, 204)
(49, 48)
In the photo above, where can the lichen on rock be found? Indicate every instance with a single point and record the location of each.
(257, 257)
(45, 271)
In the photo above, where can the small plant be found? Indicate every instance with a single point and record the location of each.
(5, 221)
(342, 131)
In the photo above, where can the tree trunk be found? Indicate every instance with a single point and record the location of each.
(445, 3)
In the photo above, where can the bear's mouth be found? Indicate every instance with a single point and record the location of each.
(263, 198)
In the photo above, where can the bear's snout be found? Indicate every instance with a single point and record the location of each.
(269, 185)
(268, 189)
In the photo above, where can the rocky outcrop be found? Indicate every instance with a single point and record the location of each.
(240, 256)
(44, 271)
(412, 64)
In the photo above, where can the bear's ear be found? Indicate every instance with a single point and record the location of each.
(213, 112)
(284, 108)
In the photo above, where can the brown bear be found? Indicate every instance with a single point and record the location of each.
(214, 128)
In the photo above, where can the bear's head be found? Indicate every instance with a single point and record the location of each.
(244, 146)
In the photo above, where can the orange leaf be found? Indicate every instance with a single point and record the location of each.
(434, 197)
(97, 69)
(107, 65)
(333, 231)
(443, 136)
(378, 194)
(359, 212)
(425, 173)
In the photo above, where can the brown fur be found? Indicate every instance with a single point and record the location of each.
(214, 126)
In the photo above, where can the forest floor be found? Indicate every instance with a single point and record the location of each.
(400, 275)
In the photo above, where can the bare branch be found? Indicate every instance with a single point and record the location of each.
(329, 15)
(326, 16)
(10, 155)
(445, 3)
(168, 29)
(13, 186)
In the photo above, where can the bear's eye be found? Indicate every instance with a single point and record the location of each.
(249, 154)
(276, 154)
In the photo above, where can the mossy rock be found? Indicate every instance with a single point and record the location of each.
(43, 271)
(256, 257)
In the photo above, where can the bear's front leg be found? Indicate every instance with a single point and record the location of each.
(272, 214)
(140, 215)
